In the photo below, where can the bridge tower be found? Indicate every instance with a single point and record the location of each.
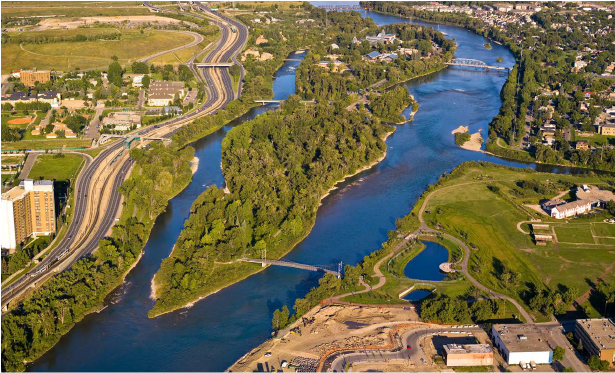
(264, 257)
(339, 270)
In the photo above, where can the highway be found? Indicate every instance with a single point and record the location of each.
(97, 201)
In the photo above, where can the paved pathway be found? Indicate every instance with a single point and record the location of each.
(92, 131)
(27, 167)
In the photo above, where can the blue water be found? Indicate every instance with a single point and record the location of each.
(416, 295)
(425, 266)
(352, 222)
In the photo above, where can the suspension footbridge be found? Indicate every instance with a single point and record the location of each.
(469, 62)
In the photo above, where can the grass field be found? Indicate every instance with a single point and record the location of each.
(68, 56)
(75, 10)
(45, 144)
(576, 233)
(15, 121)
(486, 218)
(603, 229)
(54, 167)
(184, 55)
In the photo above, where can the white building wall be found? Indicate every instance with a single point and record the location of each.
(540, 357)
(7, 225)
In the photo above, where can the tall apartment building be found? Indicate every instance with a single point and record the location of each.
(28, 77)
(598, 336)
(27, 210)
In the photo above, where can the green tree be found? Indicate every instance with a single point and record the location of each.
(114, 74)
(558, 353)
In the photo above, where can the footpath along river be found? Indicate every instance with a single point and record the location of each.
(352, 222)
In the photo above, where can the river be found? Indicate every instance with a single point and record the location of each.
(352, 222)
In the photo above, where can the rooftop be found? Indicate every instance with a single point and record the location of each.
(601, 332)
(467, 349)
(522, 337)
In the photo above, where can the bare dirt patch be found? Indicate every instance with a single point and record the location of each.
(72, 23)
(19, 121)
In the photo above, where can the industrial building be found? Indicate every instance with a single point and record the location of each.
(27, 210)
(521, 343)
(468, 355)
(598, 337)
(29, 77)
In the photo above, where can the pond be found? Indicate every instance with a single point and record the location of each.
(425, 266)
(416, 295)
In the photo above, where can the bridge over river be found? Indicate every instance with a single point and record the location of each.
(469, 62)
(327, 268)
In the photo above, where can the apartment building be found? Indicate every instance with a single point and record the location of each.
(28, 77)
(27, 210)
(598, 336)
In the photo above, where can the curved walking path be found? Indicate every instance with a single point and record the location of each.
(424, 228)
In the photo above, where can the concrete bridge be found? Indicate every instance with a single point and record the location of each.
(129, 139)
(263, 102)
(307, 267)
(468, 62)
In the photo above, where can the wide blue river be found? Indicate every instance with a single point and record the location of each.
(352, 222)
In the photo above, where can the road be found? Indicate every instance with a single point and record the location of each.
(197, 38)
(97, 201)
(92, 130)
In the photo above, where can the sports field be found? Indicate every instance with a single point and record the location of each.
(67, 56)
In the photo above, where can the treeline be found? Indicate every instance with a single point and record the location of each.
(14, 262)
(443, 309)
(318, 82)
(390, 104)
(45, 39)
(277, 167)
(31, 329)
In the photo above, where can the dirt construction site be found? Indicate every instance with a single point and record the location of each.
(323, 329)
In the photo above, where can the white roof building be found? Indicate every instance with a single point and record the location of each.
(521, 343)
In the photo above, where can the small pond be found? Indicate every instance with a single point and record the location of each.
(425, 266)
(416, 295)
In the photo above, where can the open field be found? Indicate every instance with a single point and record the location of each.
(67, 56)
(184, 55)
(45, 144)
(484, 213)
(74, 10)
(55, 167)
(15, 121)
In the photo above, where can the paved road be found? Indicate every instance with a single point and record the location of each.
(92, 130)
(27, 167)
(197, 38)
(94, 213)
(141, 98)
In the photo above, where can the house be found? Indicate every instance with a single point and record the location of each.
(607, 129)
(502, 7)
(137, 81)
(372, 56)
(382, 37)
(582, 145)
(57, 127)
(163, 93)
(521, 343)
(598, 337)
(335, 46)
(571, 209)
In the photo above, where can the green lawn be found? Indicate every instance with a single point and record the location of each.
(184, 55)
(487, 220)
(6, 118)
(76, 10)
(45, 144)
(54, 167)
(574, 233)
(67, 56)
(604, 229)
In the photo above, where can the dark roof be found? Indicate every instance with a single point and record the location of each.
(48, 94)
(15, 96)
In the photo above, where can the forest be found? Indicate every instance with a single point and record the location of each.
(389, 105)
(34, 327)
(277, 167)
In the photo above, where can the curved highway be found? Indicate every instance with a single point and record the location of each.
(102, 177)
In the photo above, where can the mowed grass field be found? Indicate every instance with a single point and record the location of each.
(45, 144)
(67, 56)
(75, 9)
(54, 167)
(487, 218)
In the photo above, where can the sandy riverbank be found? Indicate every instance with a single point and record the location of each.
(476, 140)
(194, 165)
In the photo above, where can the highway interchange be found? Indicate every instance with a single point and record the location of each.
(96, 200)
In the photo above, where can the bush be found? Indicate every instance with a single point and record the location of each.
(461, 138)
